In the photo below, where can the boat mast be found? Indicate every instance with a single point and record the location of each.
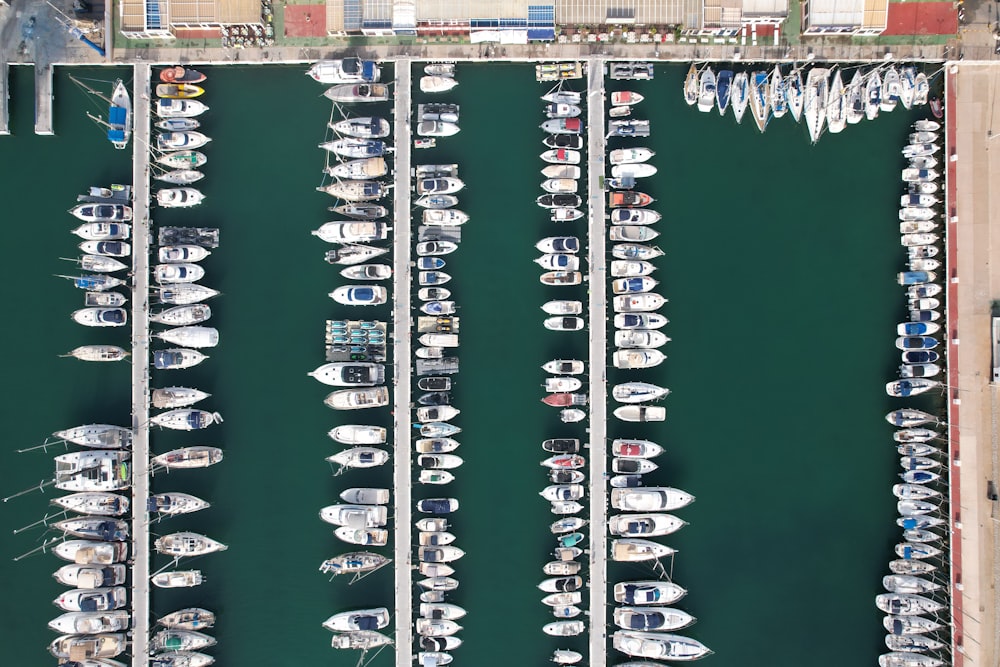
(89, 89)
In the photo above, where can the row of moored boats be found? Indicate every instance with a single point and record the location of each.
(915, 603)
(825, 97)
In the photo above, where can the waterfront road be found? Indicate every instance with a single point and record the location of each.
(972, 160)
(401, 375)
(598, 309)
(140, 365)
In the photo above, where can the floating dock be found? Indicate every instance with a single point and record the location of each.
(140, 365)
(4, 97)
(598, 389)
(402, 326)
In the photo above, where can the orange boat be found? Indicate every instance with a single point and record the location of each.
(618, 199)
(180, 74)
(178, 91)
(564, 400)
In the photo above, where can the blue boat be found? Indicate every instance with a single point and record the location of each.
(914, 277)
(723, 84)
(119, 122)
(437, 505)
(916, 328)
(916, 342)
(924, 315)
(430, 263)
(920, 357)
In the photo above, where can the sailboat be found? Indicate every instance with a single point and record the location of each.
(836, 107)
(815, 101)
(119, 122)
(779, 100)
(706, 90)
(760, 103)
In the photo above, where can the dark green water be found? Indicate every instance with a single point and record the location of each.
(779, 268)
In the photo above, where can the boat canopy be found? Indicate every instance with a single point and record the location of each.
(367, 623)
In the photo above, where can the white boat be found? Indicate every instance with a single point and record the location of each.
(88, 623)
(855, 98)
(908, 659)
(561, 278)
(559, 171)
(571, 416)
(562, 384)
(360, 457)
(178, 579)
(634, 216)
(90, 647)
(182, 254)
(103, 231)
(635, 449)
(435, 248)
(836, 106)
(641, 413)
(360, 295)
(632, 170)
(644, 525)
(778, 92)
(439, 186)
(560, 185)
(102, 212)
(175, 503)
(622, 156)
(354, 232)
(191, 336)
(365, 127)
(358, 399)
(91, 552)
(908, 584)
(179, 197)
(362, 170)
(358, 619)
(92, 599)
(902, 604)
(560, 96)
(815, 101)
(638, 392)
(631, 550)
(656, 645)
(440, 69)
(563, 307)
(561, 156)
(650, 499)
(564, 628)
(106, 248)
(622, 268)
(436, 413)
(376, 537)
(187, 544)
(740, 95)
(179, 141)
(559, 244)
(434, 627)
(356, 434)
(706, 90)
(445, 217)
(439, 461)
(101, 317)
(99, 503)
(795, 93)
(655, 619)
(367, 272)
(361, 92)
(346, 70)
(186, 419)
(559, 262)
(355, 191)
(640, 321)
(910, 625)
(638, 339)
(564, 656)
(177, 108)
(184, 294)
(356, 149)
(760, 98)
(180, 176)
(638, 303)
(198, 456)
(101, 264)
(892, 89)
(563, 366)
(637, 358)
(182, 315)
(355, 516)
(437, 84)
(172, 640)
(633, 285)
(91, 576)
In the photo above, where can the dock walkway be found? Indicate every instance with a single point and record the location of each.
(598, 311)
(402, 327)
(4, 96)
(140, 365)
(43, 99)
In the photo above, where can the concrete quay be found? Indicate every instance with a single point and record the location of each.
(972, 161)
(401, 333)
(140, 365)
(43, 99)
(4, 97)
(598, 388)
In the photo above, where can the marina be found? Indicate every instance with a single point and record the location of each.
(491, 295)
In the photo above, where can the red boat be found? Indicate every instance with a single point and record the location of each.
(628, 199)
(565, 461)
(180, 74)
(937, 107)
(565, 400)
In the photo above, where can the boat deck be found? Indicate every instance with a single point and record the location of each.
(140, 365)
(401, 371)
(598, 309)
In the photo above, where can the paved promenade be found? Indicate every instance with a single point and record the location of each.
(140, 366)
(597, 326)
(975, 117)
(401, 332)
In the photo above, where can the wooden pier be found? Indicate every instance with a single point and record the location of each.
(4, 97)
(43, 99)
(402, 327)
(140, 365)
(598, 390)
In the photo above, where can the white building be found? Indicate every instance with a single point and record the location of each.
(844, 17)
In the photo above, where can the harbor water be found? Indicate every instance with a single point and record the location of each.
(779, 266)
